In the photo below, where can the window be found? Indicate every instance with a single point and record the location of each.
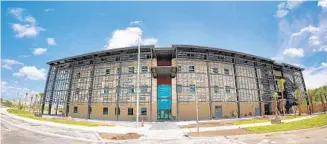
(215, 70)
(107, 71)
(192, 88)
(105, 111)
(117, 111)
(144, 69)
(143, 111)
(179, 69)
(226, 71)
(75, 109)
(106, 91)
(215, 89)
(130, 111)
(90, 109)
(131, 89)
(179, 89)
(118, 70)
(78, 75)
(144, 89)
(131, 70)
(227, 88)
(77, 91)
(191, 69)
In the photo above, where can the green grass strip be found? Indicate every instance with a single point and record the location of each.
(317, 121)
(30, 115)
(252, 121)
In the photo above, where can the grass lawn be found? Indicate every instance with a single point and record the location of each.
(251, 121)
(28, 114)
(317, 121)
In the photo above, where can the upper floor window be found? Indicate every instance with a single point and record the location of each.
(179, 88)
(106, 91)
(227, 88)
(118, 70)
(144, 69)
(144, 89)
(226, 71)
(78, 75)
(192, 88)
(131, 70)
(179, 69)
(216, 89)
(191, 68)
(107, 71)
(215, 70)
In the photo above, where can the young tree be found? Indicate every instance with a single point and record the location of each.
(298, 96)
(281, 83)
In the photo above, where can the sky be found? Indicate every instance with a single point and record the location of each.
(33, 33)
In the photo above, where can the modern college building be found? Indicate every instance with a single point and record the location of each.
(226, 84)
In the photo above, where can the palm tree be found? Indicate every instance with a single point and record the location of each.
(281, 83)
(299, 99)
(275, 96)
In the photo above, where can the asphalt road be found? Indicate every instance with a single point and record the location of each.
(14, 135)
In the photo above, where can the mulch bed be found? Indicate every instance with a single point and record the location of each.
(115, 136)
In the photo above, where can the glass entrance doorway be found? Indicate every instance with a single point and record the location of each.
(164, 101)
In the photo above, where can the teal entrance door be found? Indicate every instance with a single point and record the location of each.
(164, 101)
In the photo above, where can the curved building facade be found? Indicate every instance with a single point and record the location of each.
(226, 84)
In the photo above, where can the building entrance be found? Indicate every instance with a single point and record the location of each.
(164, 101)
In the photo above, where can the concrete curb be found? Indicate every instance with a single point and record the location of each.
(49, 134)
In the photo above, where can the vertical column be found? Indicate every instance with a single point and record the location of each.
(118, 89)
(93, 61)
(71, 77)
(177, 98)
(46, 89)
(209, 86)
(151, 85)
(52, 89)
(236, 88)
(258, 87)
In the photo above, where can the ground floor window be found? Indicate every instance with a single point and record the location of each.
(143, 111)
(75, 109)
(105, 111)
(130, 111)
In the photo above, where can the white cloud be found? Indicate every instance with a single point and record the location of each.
(26, 30)
(296, 52)
(324, 64)
(8, 63)
(310, 29)
(31, 72)
(135, 22)
(315, 76)
(16, 12)
(48, 9)
(39, 51)
(128, 37)
(51, 41)
(283, 8)
(314, 41)
(322, 3)
(3, 84)
(281, 13)
(30, 19)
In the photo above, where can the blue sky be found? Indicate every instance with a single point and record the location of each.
(34, 33)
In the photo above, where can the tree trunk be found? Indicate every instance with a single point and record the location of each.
(283, 103)
(322, 103)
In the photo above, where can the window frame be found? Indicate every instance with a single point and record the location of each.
(190, 70)
(75, 109)
(129, 70)
(146, 111)
(103, 111)
(226, 70)
(215, 70)
(108, 71)
(130, 111)
(144, 69)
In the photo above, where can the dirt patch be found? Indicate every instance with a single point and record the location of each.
(208, 124)
(114, 136)
(220, 133)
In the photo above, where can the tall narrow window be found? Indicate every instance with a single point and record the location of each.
(143, 111)
(105, 111)
(118, 70)
(131, 70)
(227, 88)
(179, 89)
(144, 89)
(131, 89)
(144, 69)
(191, 69)
(179, 69)
(192, 88)
(216, 89)
(106, 91)
(75, 109)
(107, 71)
(215, 70)
(78, 75)
(77, 91)
(226, 71)
(130, 111)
